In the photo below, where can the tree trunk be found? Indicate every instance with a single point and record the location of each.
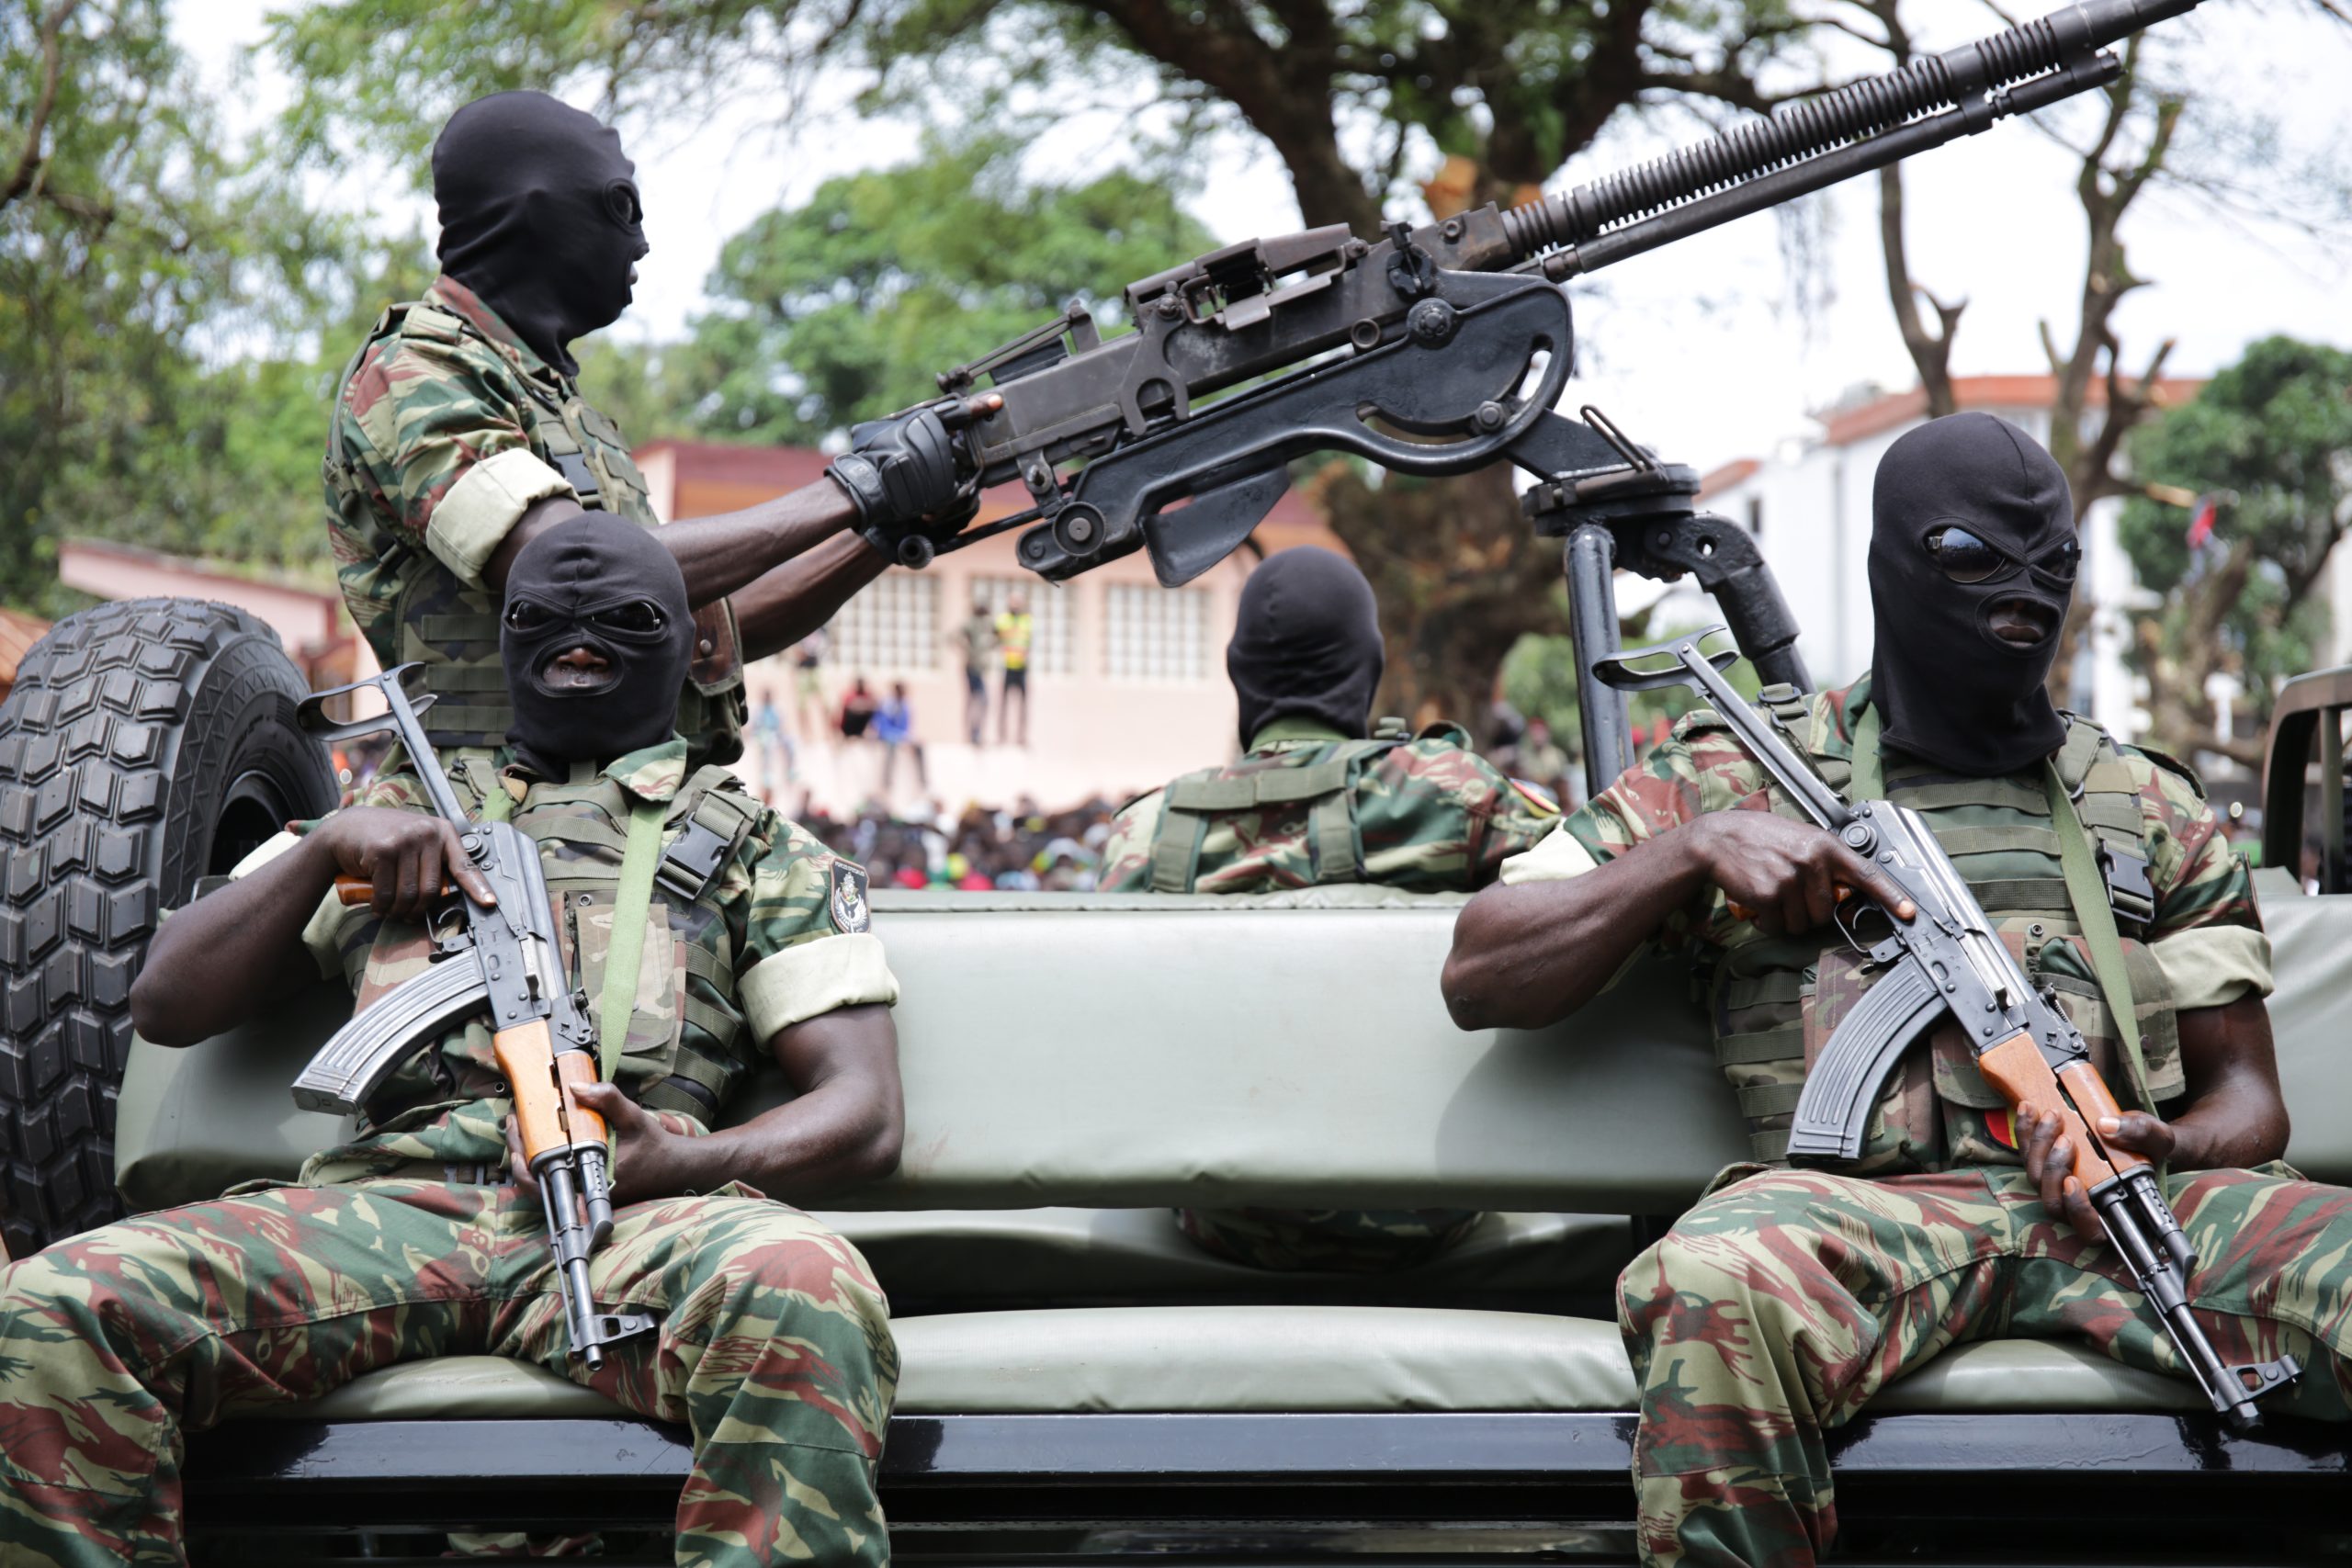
(1460, 577)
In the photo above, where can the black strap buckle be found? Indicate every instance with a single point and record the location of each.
(2128, 891)
(575, 470)
(689, 863)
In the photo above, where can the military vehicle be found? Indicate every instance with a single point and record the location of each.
(1079, 1383)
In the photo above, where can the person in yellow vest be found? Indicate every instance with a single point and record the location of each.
(1015, 627)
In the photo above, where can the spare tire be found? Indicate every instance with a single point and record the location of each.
(146, 744)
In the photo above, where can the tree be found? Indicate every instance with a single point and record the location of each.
(845, 307)
(130, 239)
(1349, 94)
(2273, 431)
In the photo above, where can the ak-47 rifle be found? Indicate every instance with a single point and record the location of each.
(1442, 349)
(504, 959)
(1946, 961)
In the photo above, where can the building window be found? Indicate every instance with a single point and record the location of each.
(1051, 638)
(1155, 634)
(891, 624)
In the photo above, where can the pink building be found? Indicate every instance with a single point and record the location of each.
(1127, 680)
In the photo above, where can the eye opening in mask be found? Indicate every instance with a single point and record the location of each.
(637, 618)
(1966, 558)
(522, 615)
(622, 202)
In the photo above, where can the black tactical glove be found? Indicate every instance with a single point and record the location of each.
(900, 474)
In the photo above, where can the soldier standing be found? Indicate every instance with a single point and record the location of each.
(1320, 797)
(1775, 1308)
(459, 435)
(417, 1239)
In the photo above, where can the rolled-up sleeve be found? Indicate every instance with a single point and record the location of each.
(808, 948)
(2207, 935)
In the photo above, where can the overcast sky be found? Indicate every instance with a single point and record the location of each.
(1700, 349)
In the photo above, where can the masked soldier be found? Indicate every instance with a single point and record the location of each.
(1320, 797)
(459, 435)
(418, 1238)
(1775, 1308)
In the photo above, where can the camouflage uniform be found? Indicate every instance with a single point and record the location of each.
(1777, 1307)
(446, 428)
(1428, 814)
(407, 1242)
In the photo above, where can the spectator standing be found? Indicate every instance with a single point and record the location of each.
(894, 726)
(807, 682)
(774, 746)
(976, 640)
(859, 706)
(1015, 629)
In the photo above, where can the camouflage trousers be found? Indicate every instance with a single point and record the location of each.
(774, 1347)
(1777, 1307)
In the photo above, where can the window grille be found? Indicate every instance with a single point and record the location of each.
(1051, 638)
(1155, 634)
(890, 624)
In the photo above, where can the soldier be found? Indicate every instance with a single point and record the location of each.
(1774, 1309)
(1318, 796)
(459, 435)
(418, 1238)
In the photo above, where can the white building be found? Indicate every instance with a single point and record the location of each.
(1809, 506)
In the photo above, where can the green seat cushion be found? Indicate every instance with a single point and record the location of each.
(1270, 1359)
(989, 1257)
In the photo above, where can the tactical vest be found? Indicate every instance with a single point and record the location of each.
(684, 1048)
(452, 629)
(1775, 1001)
(1322, 778)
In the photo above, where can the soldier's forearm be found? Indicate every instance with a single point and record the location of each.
(1527, 956)
(794, 600)
(718, 556)
(2236, 1114)
(225, 957)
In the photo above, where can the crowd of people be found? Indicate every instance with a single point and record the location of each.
(1023, 849)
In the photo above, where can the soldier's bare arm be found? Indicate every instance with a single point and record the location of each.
(842, 1127)
(788, 604)
(1529, 955)
(231, 954)
(718, 555)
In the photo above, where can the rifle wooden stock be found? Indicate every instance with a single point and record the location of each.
(2078, 1096)
(543, 1082)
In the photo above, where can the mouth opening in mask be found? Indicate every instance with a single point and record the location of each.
(2022, 621)
(581, 670)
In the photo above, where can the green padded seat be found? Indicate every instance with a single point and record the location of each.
(1270, 1359)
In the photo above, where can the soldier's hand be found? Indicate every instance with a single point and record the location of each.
(1785, 876)
(648, 1160)
(2048, 1154)
(901, 471)
(406, 857)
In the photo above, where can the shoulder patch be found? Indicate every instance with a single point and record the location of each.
(845, 897)
(2170, 763)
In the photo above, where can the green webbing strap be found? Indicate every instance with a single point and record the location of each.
(2086, 889)
(1176, 847)
(1869, 773)
(497, 806)
(632, 904)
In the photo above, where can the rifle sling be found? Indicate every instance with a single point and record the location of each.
(632, 904)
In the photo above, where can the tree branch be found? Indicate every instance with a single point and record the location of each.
(52, 58)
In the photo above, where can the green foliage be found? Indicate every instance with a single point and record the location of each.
(2275, 429)
(846, 307)
(1539, 678)
(136, 250)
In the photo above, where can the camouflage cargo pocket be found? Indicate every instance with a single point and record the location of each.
(659, 1007)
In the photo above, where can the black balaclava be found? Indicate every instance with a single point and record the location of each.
(539, 216)
(1947, 688)
(606, 583)
(1305, 643)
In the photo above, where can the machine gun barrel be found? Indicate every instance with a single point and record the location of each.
(1821, 140)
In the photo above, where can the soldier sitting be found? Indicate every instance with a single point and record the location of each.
(1318, 797)
(416, 1239)
(1775, 1308)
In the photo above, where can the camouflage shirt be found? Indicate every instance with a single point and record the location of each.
(437, 427)
(779, 935)
(1432, 816)
(2203, 947)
